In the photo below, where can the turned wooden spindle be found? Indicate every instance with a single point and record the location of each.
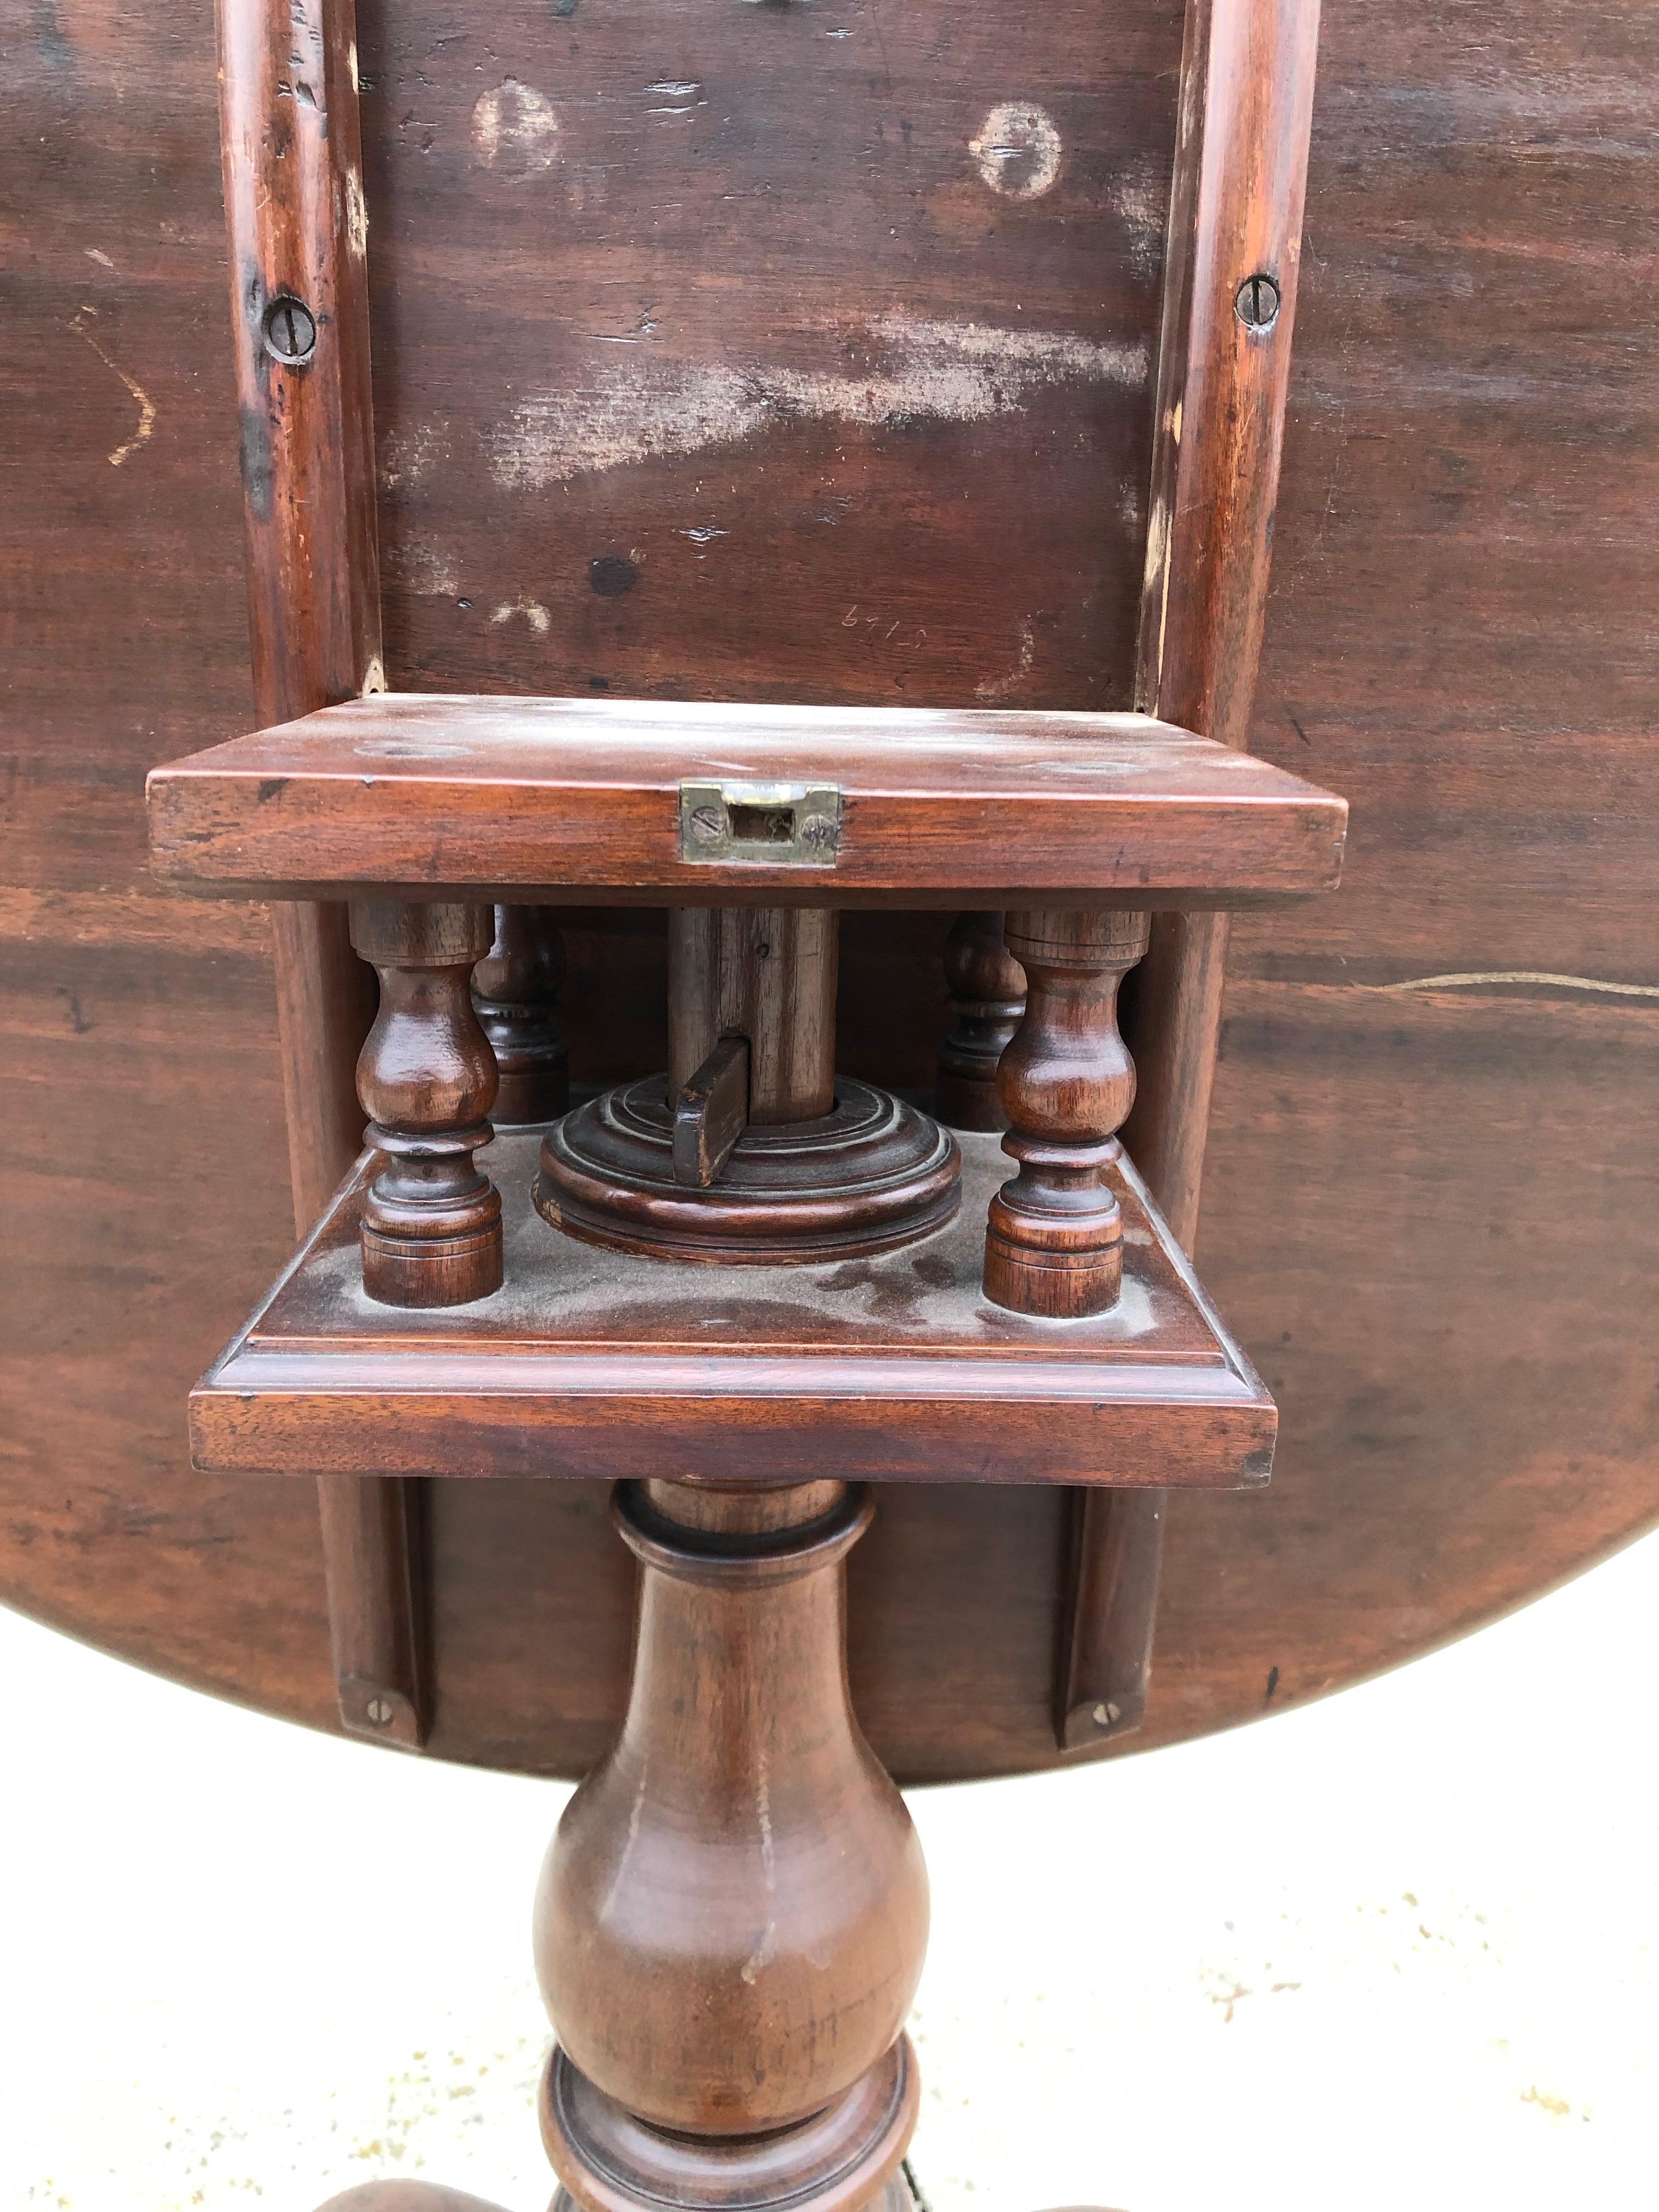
(731, 1918)
(432, 1219)
(514, 988)
(988, 997)
(1053, 1244)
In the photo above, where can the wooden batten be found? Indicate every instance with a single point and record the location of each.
(1236, 216)
(1233, 249)
(298, 225)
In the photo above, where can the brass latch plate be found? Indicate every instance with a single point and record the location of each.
(774, 825)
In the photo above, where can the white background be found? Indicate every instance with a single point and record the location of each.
(1394, 1950)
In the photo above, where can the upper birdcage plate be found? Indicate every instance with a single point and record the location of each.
(647, 802)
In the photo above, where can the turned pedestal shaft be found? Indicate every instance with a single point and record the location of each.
(732, 1915)
(767, 974)
(1053, 1241)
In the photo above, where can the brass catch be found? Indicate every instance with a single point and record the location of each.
(774, 825)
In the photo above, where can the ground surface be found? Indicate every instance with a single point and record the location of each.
(1396, 1949)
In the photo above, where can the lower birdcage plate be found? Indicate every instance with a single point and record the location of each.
(873, 1173)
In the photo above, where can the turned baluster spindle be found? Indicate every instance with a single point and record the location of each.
(1053, 1243)
(732, 1919)
(515, 987)
(988, 997)
(432, 1219)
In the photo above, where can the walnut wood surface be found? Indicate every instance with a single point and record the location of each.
(829, 2163)
(589, 1363)
(746, 1786)
(1458, 639)
(577, 798)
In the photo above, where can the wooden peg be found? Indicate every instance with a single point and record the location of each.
(432, 1220)
(1053, 1243)
(514, 988)
(711, 1113)
(988, 997)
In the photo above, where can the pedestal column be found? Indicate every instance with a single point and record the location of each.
(732, 1915)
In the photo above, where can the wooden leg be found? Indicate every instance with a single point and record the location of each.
(731, 1918)
(1053, 1243)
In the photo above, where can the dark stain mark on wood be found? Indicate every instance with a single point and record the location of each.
(256, 462)
(612, 574)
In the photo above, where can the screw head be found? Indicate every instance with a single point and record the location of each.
(1256, 302)
(819, 834)
(707, 823)
(290, 332)
(379, 1712)
(1107, 1715)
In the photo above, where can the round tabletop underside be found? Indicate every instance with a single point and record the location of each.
(1428, 1210)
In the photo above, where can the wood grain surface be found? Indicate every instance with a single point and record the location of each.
(574, 797)
(1427, 1195)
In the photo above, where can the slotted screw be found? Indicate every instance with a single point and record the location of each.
(290, 332)
(1256, 302)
